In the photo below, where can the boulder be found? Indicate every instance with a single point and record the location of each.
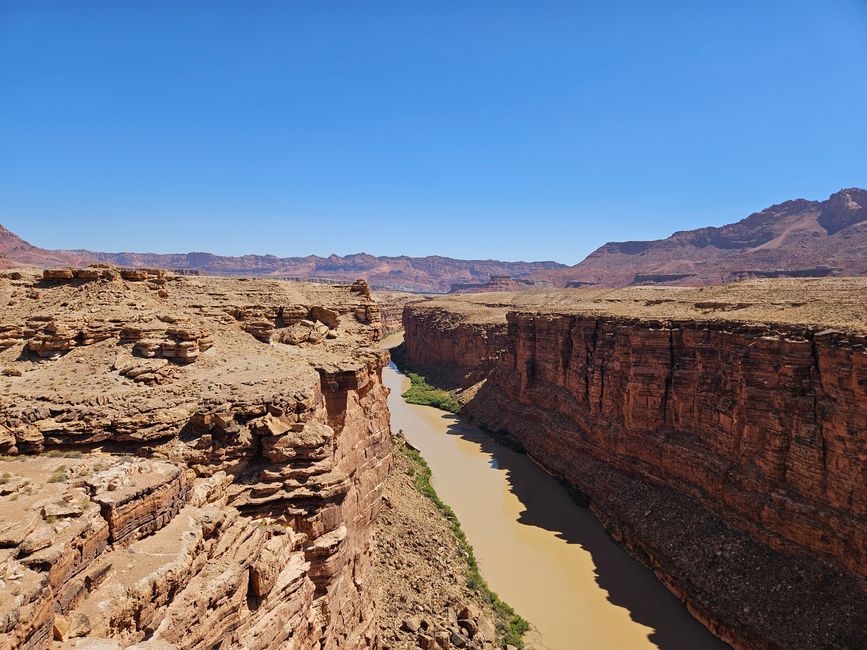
(57, 275)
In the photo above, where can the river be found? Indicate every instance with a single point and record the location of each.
(544, 555)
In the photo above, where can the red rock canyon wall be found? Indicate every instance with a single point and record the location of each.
(760, 428)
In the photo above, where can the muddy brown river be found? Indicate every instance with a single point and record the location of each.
(547, 557)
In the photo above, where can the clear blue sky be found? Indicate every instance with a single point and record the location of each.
(512, 130)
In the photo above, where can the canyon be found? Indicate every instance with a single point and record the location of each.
(391, 304)
(198, 462)
(718, 433)
(453, 326)
(539, 550)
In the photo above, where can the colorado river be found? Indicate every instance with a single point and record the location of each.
(547, 557)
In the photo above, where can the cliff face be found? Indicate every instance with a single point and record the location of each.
(763, 425)
(454, 353)
(391, 304)
(171, 479)
(753, 434)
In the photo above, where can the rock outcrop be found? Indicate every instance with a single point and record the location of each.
(727, 454)
(173, 477)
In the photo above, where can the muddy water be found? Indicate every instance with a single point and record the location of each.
(547, 557)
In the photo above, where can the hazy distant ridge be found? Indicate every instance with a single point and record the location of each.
(793, 239)
(432, 273)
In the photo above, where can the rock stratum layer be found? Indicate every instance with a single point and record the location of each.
(188, 462)
(726, 449)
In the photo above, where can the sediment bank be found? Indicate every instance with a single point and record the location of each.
(427, 588)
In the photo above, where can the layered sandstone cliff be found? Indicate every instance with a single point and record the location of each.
(725, 450)
(391, 304)
(188, 462)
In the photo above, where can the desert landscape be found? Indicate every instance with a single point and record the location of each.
(433, 326)
(194, 460)
(223, 454)
(798, 238)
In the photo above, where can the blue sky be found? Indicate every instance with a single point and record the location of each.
(501, 129)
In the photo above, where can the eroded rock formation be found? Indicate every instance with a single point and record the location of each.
(391, 304)
(728, 454)
(180, 473)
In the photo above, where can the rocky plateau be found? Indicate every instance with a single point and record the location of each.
(188, 462)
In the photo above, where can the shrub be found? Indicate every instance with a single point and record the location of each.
(423, 393)
(510, 625)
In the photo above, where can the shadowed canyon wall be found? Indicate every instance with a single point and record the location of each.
(452, 352)
(391, 304)
(736, 441)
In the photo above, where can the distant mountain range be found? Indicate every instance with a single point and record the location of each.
(14, 251)
(420, 274)
(793, 239)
